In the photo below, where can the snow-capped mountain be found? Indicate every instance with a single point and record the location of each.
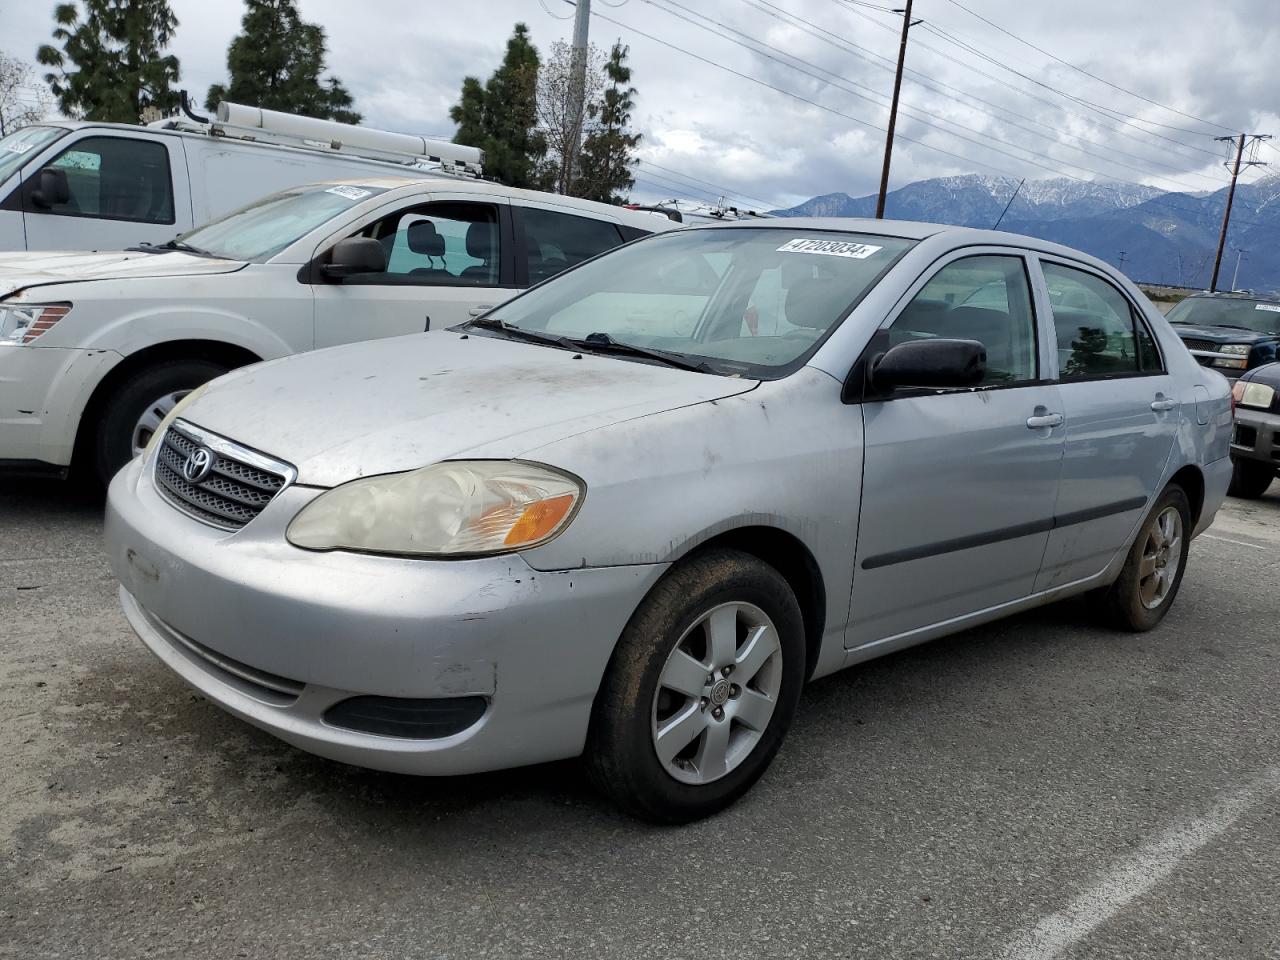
(1166, 237)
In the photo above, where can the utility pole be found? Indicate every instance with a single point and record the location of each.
(577, 90)
(1236, 275)
(1239, 141)
(907, 24)
(1123, 257)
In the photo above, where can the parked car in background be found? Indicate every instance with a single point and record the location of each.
(1231, 332)
(1255, 443)
(96, 348)
(630, 512)
(66, 185)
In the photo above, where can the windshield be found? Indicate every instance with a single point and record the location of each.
(17, 146)
(264, 228)
(749, 301)
(1259, 316)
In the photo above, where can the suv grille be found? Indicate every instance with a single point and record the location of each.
(1199, 344)
(234, 489)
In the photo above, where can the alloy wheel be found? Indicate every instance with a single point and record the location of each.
(1161, 556)
(151, 419)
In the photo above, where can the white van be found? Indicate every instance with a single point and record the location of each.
(106, 186)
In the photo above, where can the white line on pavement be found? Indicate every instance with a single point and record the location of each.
(1136, 875)
(1242, 543)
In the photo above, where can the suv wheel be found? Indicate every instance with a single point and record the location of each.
(1152, 573)
(135, 410)
(1250, 479)
(701, 689)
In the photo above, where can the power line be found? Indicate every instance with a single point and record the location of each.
(726, 191)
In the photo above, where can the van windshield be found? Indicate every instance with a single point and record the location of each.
(16, 148)
(262, 229)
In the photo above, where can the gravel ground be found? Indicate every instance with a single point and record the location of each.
(1037, 788)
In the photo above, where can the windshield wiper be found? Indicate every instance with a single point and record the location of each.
(520, 333)
(170, 247)
(602, 342)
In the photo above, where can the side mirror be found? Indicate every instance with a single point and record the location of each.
(52, 189)
(930, 363)
(355, 255)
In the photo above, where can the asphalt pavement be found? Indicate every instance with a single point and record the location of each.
(1038, 788)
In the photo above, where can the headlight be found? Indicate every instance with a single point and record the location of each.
(1253, 395)
(1238, 349)
(451, 509)
(23, 322)
(173, 415)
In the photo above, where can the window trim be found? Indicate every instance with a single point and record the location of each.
(29, 184)
(857, 385)
(1136, 316)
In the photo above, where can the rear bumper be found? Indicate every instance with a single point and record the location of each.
(43, 392)
(1256, 436)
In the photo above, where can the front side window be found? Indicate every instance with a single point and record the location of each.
(114, 178)
(704, 294)
(556, 241)
(983, 298)
(439, 244)
(1098, 331)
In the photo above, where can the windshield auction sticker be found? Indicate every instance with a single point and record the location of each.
(1273, 307)
(830, 248)
(19, 147)
(351, 193)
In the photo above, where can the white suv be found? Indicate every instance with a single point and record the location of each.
(95, 348)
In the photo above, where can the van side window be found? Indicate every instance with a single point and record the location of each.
(556, 241)
(1097, 330)
(115, 178)
(440, 244)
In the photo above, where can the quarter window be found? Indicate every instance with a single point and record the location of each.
(556, 241)
(1099, 333)
(983, 298)
(440, 244)
(114, 178)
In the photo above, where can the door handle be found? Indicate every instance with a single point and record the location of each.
(1160, 404)
(483, 308)
(1045, 420)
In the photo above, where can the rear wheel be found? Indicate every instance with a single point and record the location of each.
(701, 689)
(1152, 572)
(134, 411)
(1250, 478)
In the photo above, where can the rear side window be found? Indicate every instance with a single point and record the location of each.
(114, 178)
(1099, 333)
(556, 241)
(983, 298)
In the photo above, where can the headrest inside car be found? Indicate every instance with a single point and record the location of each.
(423, 239)
(480, 240)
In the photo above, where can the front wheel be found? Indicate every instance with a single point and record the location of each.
(134, 411)
(1152, 572)
(701, 689)
(1250, 478)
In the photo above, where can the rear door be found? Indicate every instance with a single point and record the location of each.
(958, 485)
(448, 259)
(124, 188)
(1122, 414)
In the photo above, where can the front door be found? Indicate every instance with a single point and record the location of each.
(446, 261)
(1122, 415)
(958, 485)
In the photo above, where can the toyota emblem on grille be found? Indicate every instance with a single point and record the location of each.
(198, 464)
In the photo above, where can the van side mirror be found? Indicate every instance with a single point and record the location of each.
(935, 364)
(52, 189)
(355, 255)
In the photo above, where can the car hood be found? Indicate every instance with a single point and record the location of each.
(18, 271)
(1194, 331)
(397, 404)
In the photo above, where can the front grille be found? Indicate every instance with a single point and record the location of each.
(238, 485)
(1199, 344)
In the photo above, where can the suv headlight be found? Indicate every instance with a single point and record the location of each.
(451, 509)
(23, 322)
(1250, 394)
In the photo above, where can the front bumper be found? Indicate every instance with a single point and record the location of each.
(43, 392)
(223, 610)
(1256, 436)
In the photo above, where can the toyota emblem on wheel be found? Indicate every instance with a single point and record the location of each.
(198, 465)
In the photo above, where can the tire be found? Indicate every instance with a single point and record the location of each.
(1135, 601)
(1250, 479)
(746, 598)
(148, 390)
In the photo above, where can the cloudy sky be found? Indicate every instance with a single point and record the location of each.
(980, 101)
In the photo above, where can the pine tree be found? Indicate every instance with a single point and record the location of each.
(111, 65)
(276, 63)
(608, 152)
(500, 117)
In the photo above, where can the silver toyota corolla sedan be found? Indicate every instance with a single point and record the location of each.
(630, 512)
